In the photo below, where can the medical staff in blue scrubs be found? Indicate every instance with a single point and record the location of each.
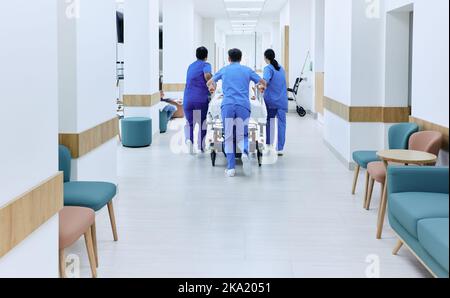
(236, 108)
(276, 99)
(196, 99)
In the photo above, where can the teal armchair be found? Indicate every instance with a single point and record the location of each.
(399, 135)
(93, 195)
(418, 208)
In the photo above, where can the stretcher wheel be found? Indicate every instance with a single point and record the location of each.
(213, 158)
(301, 111)
(259, 154)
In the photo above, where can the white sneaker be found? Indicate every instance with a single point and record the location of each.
(190, 146)
(230, 173)
(247, 162)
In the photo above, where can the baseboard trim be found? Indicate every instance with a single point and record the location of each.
(427, 125)
(82, 143)
(174, 87)
(145, 100)
(355, 114)
(349, 165)
(29, 211)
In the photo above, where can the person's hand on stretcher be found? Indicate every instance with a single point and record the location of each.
(262, 85)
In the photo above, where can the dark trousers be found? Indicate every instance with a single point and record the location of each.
(196, 113)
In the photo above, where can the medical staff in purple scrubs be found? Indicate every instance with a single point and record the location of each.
(276, 99)
(236, 108)
(196, 99)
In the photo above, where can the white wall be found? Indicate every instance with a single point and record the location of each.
(301, 30)
(29, 99)
(430, 95)
(141, 46)
(179, 39)
(367, 50)
(318, 38)
(266, 43)
(366, 64)
(208, 38)
(397, 59)
(221, 51)
(246, 43)
(430, 53)
(87, 78)
(338, 75)
(141, 51)
(198, 30)
(96, 49)
(285, 16)
(396, 4)
(354, 73)
(276, 39)
(338, 51)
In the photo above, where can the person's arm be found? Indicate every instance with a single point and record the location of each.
(268, 75)
(260, 82)
(262, 85)
(212, 82)
(211, 86)
(207, 72)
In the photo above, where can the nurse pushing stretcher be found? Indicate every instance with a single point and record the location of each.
(276, 99)
(236, 108)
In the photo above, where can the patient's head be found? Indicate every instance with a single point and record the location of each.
(202, 53)
(234, 55)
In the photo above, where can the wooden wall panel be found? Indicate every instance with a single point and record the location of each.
(155, 98)
(367, 114)
(178, 87)
(141, 100)
(337, 108)
(28, 212)
(286, 52)
(137, 100)
(396, 115)
(85, 142)
(426, 125)
(320, 78)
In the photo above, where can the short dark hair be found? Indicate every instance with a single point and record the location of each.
(202, 53)
(235, 55)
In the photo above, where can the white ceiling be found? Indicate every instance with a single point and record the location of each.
(228, 12)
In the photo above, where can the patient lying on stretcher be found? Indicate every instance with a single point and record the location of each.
(258, 106)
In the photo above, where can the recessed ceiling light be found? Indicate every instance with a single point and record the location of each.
(244, 9)
(244, 21)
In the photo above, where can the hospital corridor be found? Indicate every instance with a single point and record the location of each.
(280, 223)
(224, 147)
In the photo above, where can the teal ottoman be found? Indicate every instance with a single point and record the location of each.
(136, 132)
(163, 121)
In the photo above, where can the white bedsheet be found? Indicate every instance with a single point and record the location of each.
(258, 109)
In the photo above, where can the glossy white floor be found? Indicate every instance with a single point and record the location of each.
(179, 217)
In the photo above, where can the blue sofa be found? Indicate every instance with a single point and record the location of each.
(418, 211)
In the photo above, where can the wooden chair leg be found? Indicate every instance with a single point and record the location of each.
(366, 190)
(355, 179)
(397, 247)
(62, 264)
(94, 242)
(382, 211)
(90, 250)
(112, 218)
(370, 194)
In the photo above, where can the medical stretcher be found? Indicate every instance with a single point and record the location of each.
(256, 128)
